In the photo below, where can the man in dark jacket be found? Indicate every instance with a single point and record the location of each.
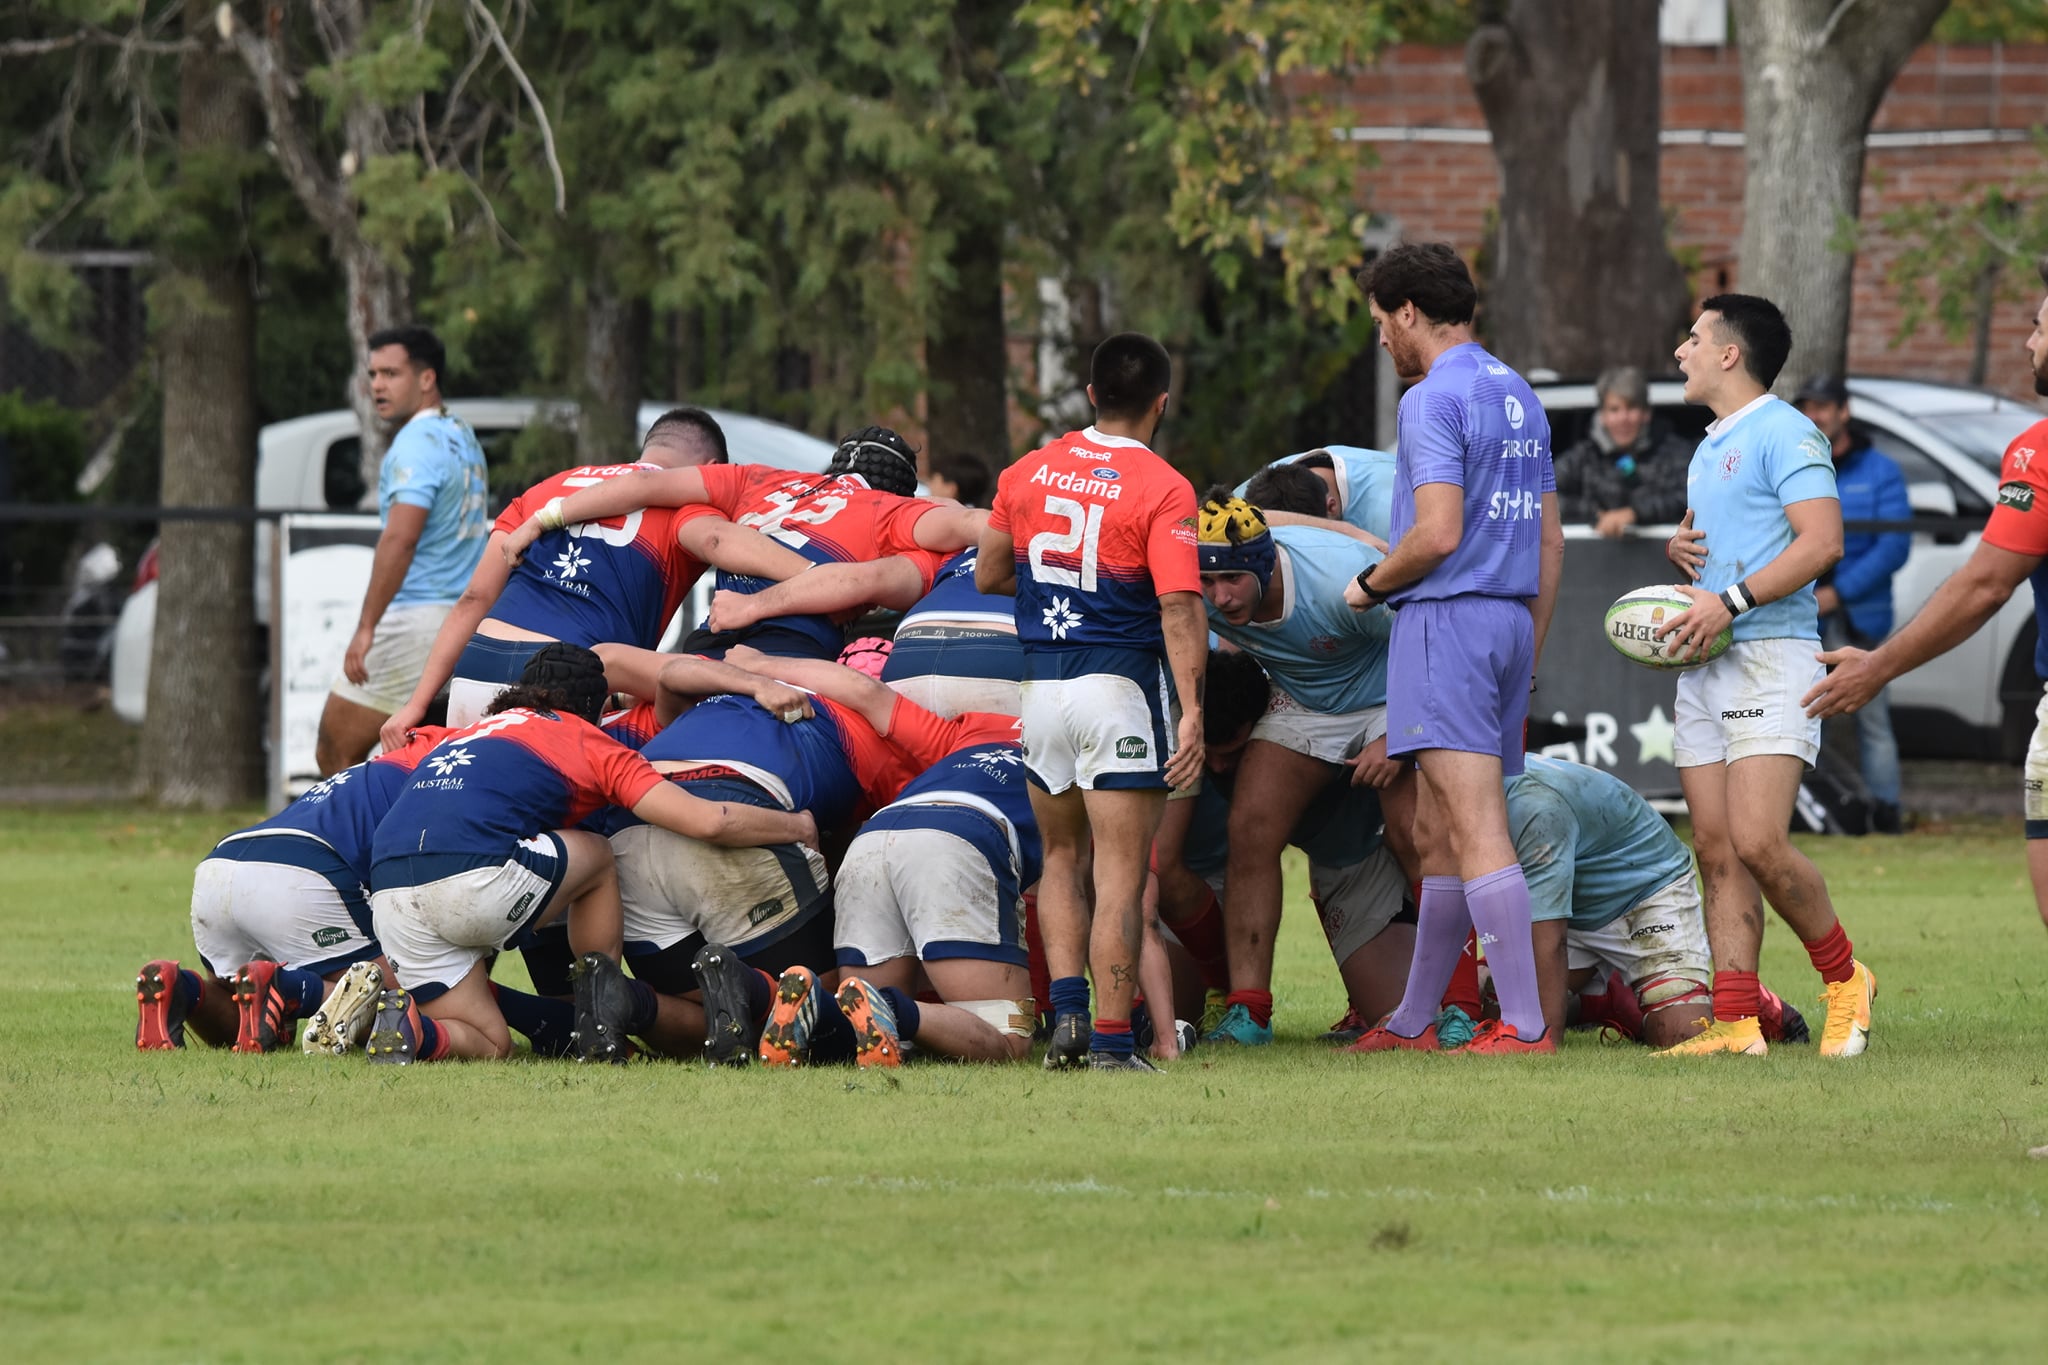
(1628, 470)
(1855, 599)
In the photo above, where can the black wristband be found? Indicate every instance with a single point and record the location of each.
(1364, 582)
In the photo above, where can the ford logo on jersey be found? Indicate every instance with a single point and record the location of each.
(1109, 474)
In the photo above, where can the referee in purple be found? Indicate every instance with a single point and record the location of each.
(1477, 552)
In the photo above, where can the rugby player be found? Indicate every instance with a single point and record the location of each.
(481, 848)
(1357, 486)
(594, 581)
(1611, 889)
(281, 919)
(1278, 595)
(2013, 549)
(1763, 524)
(1477, 551)
(1095, 535)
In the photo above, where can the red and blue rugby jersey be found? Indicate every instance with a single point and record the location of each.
(597, 582)
(343, 811)
(508, 777)
(1103, 528)
(632, 727)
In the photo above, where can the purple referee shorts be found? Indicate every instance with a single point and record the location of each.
(1458, 673)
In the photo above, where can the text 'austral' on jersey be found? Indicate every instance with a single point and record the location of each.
(343, 811)
(598, 582)
(1475, 423)
(980, 795)
(488, 786)
(1103, 528)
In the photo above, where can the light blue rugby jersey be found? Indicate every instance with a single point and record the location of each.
(1591, 849)
(1365, 478)
(1750, 467)
(434, 462)
(1326, 656)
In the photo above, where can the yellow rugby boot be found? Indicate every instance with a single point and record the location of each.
(1745, 1036)
(1848, 1027)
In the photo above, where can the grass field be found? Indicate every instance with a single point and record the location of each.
(1281, 1205)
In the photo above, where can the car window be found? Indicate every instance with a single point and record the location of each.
(1920, 467)
(1983, 436)
(341, 477)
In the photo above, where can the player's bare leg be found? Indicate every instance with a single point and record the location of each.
(1122, 823)
(1376, 974)
(1274, 786)
(348, 734)
(2037, 872)
(1734, 914)
(1063, 918)
(948, 1029)
(468, 1020)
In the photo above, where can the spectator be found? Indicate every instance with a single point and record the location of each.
(964, 478)
(1855, 600)
(1628, 470)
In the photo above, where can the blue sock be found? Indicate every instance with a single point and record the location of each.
(1112, 1036)
(761, 994)
(432, 1044)
(646, 1006)
(1069, 996)
(190, 987)
(546, 1023)
(302, 991)
(832, 1040)
(908, 1017)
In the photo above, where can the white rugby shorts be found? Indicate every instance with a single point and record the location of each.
(1103, 731)
(1355, 903)
(436, 932)
(921, 893)
(243, 910)
(2034, 779)
(1746, 703)
(950, 697)
(673, 886)
(1664, 937)
(1327, 736)
(397, 657)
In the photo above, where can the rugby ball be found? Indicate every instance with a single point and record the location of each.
(1635, 618)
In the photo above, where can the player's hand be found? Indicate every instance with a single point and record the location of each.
(1853, 678)
(1697, 626)
(791, 704)
(514, 548)
(1614, 521)
(1372, 767)
(396, 727)
(745, 656)
(1687, 548)
(732, 610)
(808, 836)
(355, 664)
(1355, 598)
(1184, 769)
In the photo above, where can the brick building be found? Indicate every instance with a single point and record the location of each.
(1956, 118)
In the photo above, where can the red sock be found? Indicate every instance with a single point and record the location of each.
(1464, 988)
(1258, 1004)
(433, 1041)
(1737, 995)
(1614, 1004)
(1034, 945)
(1202, 936)
(1834, 957)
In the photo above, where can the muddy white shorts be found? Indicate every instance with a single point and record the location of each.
(1329, 736)
(436, 931)
(927, 889)
(2034, 779)
(397, 657)
(280, 895)
(673, 886)
(1355, 903)
(1660, 947)
(1747, 702)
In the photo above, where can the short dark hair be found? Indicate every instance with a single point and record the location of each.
(422, 348)
(1289, 488)
(531, 697)
(968, 473)
(1756, 327)
(1317, 459)
(1430, 275)
(1235, 695)
(1128, 373)
(2041, 268)
(687, 426)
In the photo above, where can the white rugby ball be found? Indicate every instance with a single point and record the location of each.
(1633, 622)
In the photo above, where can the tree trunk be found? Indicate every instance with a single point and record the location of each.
(967, 358)
(616, 332)
(1582, 277)
(379, 296)
(1813, 73)
(201, 745)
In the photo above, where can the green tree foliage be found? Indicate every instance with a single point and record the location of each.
(1993, 21)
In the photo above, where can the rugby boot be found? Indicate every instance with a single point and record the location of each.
(1744, 1036)
(1118, 1061)
(1239, 1027)
(1847, 1031)
(729, 1033)
(1347, 1030)
(160, 1007)
(1780, 1022)
(1496, 1039)
(792, 1019)
(1380, 1038)
(1215, 1004)
(343, 1019)
(260, 1025)
(874, 1024)
(394, 1030)
(603, 1009)
(1069, 1046)
(1454, 1028)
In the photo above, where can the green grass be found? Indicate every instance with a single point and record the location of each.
(1282, 1205)
(47, 743)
